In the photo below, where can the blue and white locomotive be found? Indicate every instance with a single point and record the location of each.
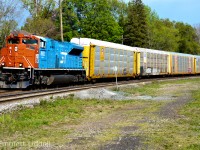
(40, 61)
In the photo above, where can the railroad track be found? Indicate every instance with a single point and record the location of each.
(41, 93)
(7, 92)
(37, 93)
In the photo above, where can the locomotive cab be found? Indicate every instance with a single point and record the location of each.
(19, 55)
(21, 51)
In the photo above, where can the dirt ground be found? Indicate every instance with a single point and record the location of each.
(123, 128)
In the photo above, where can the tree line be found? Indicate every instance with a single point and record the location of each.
(133, 23)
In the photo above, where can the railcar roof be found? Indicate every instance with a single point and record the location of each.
(153, 51)
(88, 41)
(181, 54)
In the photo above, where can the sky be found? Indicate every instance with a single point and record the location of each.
(187, 11)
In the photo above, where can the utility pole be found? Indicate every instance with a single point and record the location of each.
(122, 39)
(61, 21)
(36, 7)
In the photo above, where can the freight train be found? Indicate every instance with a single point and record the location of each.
(31, 60)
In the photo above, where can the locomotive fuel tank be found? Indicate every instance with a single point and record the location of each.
(60, 79)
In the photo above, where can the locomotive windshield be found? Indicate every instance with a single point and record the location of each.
(13, 41)
(29, 41)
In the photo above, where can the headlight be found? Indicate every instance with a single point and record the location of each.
(3, 64)
(16, 49)
(20, 65)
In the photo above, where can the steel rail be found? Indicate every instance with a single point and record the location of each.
(39, 93)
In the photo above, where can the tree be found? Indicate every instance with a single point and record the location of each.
(10, 11)
(99, 22)
(197, 28)
(40, 26)
(71, 21)
(90, 18)
(162, 34)
(188, 39)
(136, 26)
(42, 14)
(40, 8)
(119, 11)
(6, 28)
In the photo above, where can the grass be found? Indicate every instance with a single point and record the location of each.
(148, 89)
(151, 89)
(47, 121)
(44, 114)
(181, 133)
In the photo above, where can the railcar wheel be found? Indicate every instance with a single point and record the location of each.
(93, 81)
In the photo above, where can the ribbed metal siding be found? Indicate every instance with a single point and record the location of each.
(153, 63)
(198, 64)
(182, 64)
(123, 59)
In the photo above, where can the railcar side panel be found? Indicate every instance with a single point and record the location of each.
(169, 64)
(137, 63)
(86, 56)
(197, 60)
(154, 63)
(104, 60)
(182, 64)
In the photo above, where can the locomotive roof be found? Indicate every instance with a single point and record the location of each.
(74, 45)
(40, 37)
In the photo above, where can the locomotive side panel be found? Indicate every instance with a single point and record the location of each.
(59, 55)
(47, 55)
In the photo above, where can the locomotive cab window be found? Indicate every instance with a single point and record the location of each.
(13, 41)
(42, 44)
(29, 41)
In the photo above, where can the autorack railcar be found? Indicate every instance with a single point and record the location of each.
(182, 63)
(103, 59)
(154, 62)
